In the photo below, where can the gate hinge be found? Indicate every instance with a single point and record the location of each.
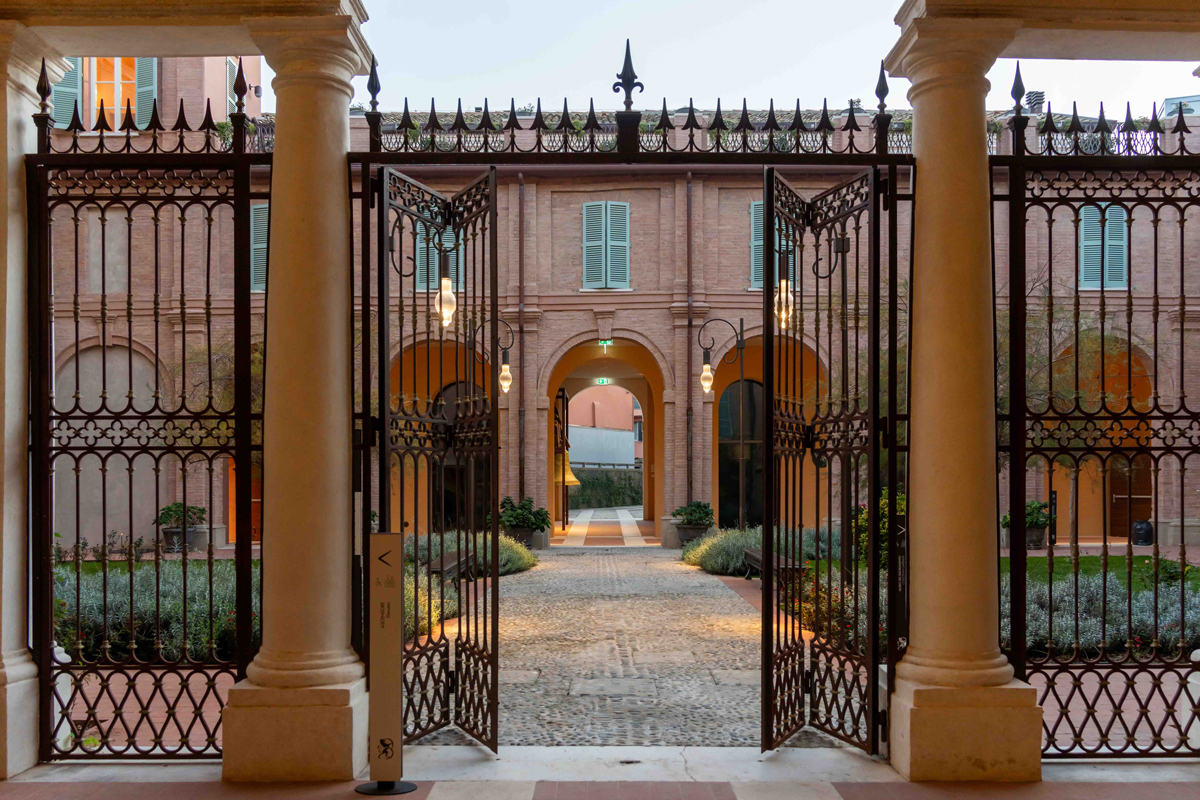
(881, 719)
(810, 436)
(809, 681)
(376, 430)
(453, 682)
(882, 427)
(375, 188)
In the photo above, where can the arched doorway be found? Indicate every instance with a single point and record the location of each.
(629, 366)
(739, 455)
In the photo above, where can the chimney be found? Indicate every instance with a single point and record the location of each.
(1035, 102)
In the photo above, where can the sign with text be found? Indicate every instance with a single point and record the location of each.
(387, 656)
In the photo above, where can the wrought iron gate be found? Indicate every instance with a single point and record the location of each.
(1100, 608)
(837, 415)
(145, 362)
(434, 430)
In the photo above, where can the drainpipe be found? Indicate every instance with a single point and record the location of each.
(520, 336)
(690, 413)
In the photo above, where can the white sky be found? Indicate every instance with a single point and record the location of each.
(757, 49)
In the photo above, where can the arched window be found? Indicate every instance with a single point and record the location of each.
(739, 453)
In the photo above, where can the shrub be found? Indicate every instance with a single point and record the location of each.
(424, 610)
(523, 515)
(861, 526)
(1117, 630)
(1037, 515)
(605, 488)
(514, 556)
(80, 627)
(171, 516)
(694, 513)
(723, 552)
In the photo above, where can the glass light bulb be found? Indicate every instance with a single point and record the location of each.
(784, 303)
(505, 378)
(706, 378)
(446, 302)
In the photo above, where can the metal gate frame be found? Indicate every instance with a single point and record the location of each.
(1052, 170)
(126, 170)
(828, 682)
(421, 432)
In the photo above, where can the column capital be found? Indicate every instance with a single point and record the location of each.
(328, 48)
(948, 49)
(22, 51)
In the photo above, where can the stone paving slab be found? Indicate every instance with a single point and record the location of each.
(631, 647)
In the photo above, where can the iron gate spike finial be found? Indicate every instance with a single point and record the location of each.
(1048, 125)
(373, 85)
(718, 122)
(825, 125)
(485, 122)
(1102, 125)
(539, 122)
(181, 123)
(851, 121)
(207, 123)
(512, 124)
(460, 123)
(798, 125)
(881, 86)
(592, 125)
(743, 123)
(406, 122)
(155, 123)
(1180, 125)
(1155, 126)
(432, 124)
(43, 88)
(564, 122)
(664, 120)
(239, 89)
(102, 120)
(1018, 88)
(1129, 126)
(627, 79)
(127, 124)
(691, 123)
(771, 124)
(1075, 126)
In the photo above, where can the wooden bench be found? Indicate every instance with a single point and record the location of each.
(785, 568)
(451, 566)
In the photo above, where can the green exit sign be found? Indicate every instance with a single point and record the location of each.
(603, 381)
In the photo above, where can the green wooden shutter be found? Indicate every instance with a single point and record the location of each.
(230, 79)
(1091, 248)
(617, 237)
(423, 257)
(67, 93)
(455, 252)
(1116, 247)
(145, 72)
(260, 221)
(756, 244)
(593, 245)
(786, 250)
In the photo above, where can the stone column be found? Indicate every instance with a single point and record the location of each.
(957, 713)
(302, 712)
(22, 52)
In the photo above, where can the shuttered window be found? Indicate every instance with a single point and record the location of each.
(231, 69)
(67, 93)
(757, 266)
(146, 92)
(427, 256)
(606, 245)
(1103, 247)
(259, 240)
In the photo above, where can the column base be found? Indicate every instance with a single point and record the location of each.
(18, 713)
(976, 733)
(670, 536)
(316, 733)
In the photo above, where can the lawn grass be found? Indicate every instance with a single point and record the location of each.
(1038, 569)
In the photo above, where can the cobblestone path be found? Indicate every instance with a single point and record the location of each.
(627, 646)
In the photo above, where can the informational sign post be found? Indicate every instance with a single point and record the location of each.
(386, 620)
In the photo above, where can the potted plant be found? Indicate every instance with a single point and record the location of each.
(1037, 519)
(694, 521)
(171, 519)
(525, 524)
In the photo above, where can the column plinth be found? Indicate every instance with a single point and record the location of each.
(301, 714)
(957, 713)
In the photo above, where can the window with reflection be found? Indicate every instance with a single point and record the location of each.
(740, 453)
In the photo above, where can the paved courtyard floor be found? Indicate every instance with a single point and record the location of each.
(606, 527)
(626, 646)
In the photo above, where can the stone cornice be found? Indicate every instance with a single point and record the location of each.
(301, 47)
(924, 40)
